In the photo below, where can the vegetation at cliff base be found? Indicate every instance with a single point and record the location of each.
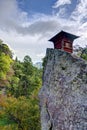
(19, 86)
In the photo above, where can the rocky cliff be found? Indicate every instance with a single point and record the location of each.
(63, 96)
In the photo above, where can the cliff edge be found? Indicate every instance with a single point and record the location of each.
(63, 96)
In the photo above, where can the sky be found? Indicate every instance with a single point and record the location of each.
(27, 25)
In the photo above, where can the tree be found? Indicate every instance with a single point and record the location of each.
(27, 59)
(28, 66)
(20, 104)
(24, 112)
(26, 78)
(81, 52)
(5, 49)
(5, 63)
(84, 53)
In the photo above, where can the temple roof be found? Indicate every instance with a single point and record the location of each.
(64, 34)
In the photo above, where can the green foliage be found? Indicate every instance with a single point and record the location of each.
(28, 67)
(5, 49)
(19, 109)
(26, 78)
(84, 53)
(5, 63)
(27, 59)
(18, 68)
(5, 121)
(24, 112)
(84, 56)
(9, 127)
(81, 52)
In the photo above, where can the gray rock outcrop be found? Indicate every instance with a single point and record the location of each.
(63, 96)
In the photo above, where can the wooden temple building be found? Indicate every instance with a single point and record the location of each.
(64, 41)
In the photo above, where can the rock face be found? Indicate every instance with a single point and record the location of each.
(63, 96)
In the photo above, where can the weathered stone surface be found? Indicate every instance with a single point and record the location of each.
(63, 96)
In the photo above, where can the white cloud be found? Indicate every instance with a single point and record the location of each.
(22, 45)
(61, 2)
(27, 36)
(39, 27)
(80, 12)
(11, 17)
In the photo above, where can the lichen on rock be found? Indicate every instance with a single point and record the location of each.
(63, 96)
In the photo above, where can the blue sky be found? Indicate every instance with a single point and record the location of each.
(27, 25)
(37, 6)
